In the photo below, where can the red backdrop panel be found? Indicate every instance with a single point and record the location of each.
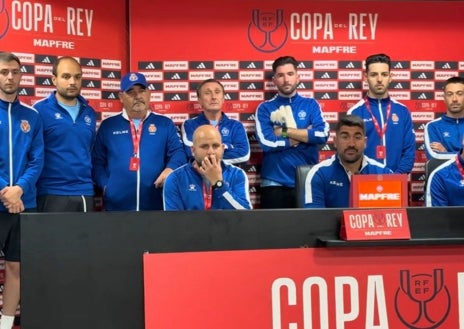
(179, 44)
(40, 31)
(306, 288)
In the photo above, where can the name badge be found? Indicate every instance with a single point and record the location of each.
(134, 164)
(380, 152)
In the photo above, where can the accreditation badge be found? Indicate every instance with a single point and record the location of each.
(134, 164)
(380, 152)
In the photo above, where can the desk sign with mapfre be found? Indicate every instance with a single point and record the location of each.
(375, 224)
(379, 191)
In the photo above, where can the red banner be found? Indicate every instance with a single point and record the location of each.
(337, 30)
(394, 287)
(331, 39)
(40, 31)
(177, 46)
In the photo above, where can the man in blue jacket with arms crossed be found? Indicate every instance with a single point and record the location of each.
(289, 128)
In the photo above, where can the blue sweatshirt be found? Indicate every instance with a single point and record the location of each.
(280, 159)
(68, 144)
(445, 186)
(233, 134)
(160, 148)
(447, 131)
(328, 183)
(21, 149)
(399, 139)
(183, 190)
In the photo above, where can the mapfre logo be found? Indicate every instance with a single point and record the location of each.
(425, 293)
(379, 196)
(267, 31)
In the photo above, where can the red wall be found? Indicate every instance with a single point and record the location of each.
(236, 43)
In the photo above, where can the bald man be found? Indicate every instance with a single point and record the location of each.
(206, 182)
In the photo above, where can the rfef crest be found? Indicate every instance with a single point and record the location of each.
(427, 295)
(267, 31)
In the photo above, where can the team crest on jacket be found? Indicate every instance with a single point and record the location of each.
(152, 128)
(225, 131)
(25, 126)
(395, 118)
(302, 115)
(87, 120)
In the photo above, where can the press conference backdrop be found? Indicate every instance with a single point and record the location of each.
(238, 42)
(178, 45)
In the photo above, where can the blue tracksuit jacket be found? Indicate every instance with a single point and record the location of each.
(445, 186)
(234, 138)
(399, 139)
(328, 183)
(21, 149)
(183, 190)
(160, 148)
(279, 158)
(446, 130)
(68, 144)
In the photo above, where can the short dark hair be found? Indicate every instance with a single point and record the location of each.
(208, 81)
(8, 57)
(59, 60)
(456, 79)
(350, 120)
(378, 58)
(284, 60)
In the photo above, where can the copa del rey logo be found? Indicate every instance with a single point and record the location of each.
(374, 224)
(422, 301)
(268, 31)
(35, 17)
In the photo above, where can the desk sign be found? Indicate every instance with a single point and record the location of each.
(375, 224)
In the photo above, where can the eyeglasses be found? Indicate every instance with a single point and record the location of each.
(6, 72)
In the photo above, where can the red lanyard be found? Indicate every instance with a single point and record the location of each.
(458, 164)
(136, 136)
(380, 132)
(207, 196)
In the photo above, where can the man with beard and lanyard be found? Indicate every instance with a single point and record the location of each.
(328, 183)
(135, 151)
(390, 133)
(21, 161)
(66, 184)
(289, 128)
